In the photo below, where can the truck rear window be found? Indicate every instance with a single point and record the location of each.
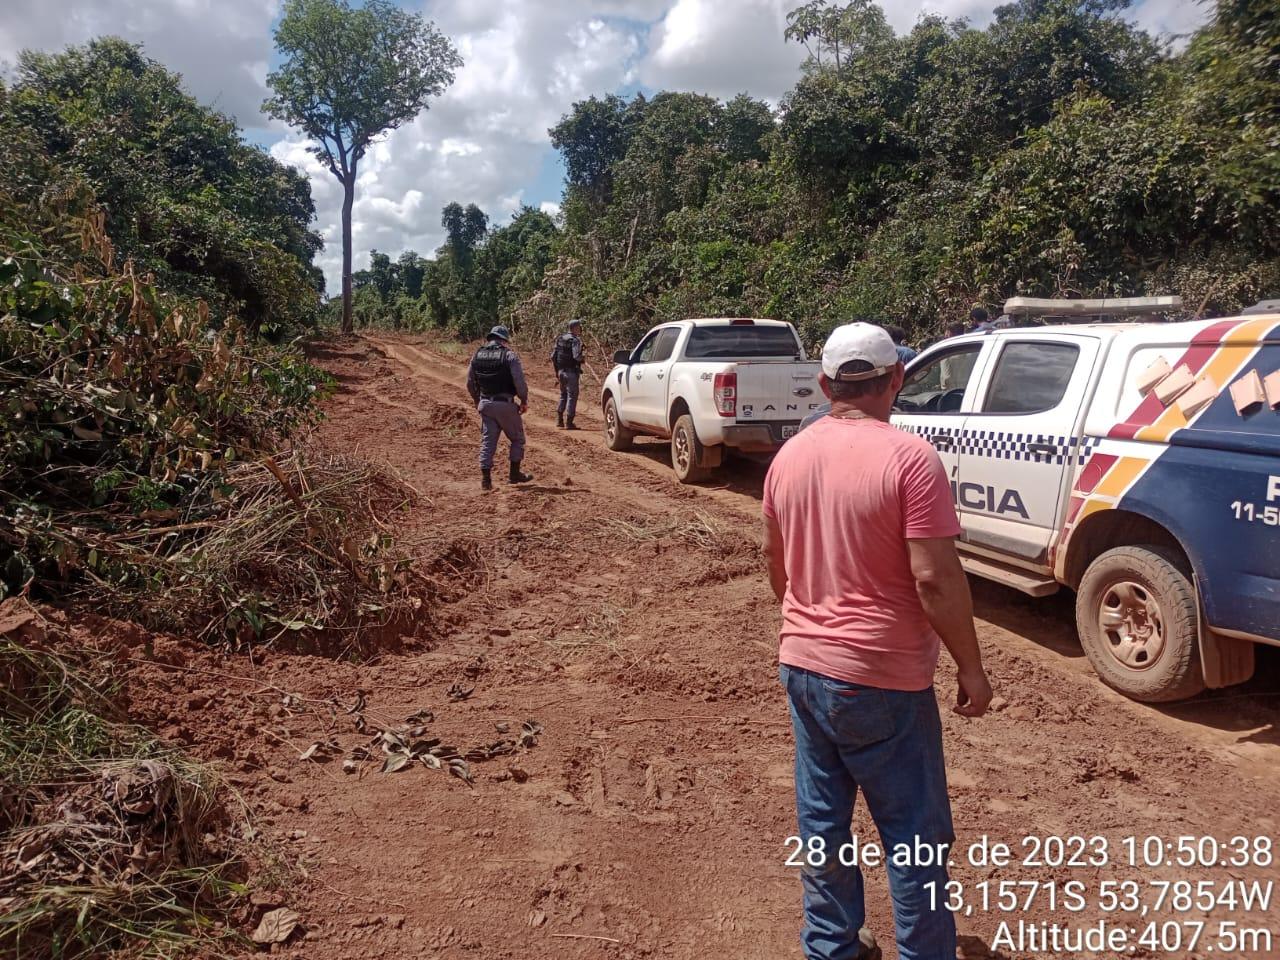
(742, 342)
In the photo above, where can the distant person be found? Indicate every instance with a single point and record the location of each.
(952, 369)
(818, 413)
(496, 383)
(979, 320)
(905, 353)
(566, 358)
(859, 539)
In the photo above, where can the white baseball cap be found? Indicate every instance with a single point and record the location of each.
(858, 341)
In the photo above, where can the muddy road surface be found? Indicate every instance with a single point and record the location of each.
(629, 619)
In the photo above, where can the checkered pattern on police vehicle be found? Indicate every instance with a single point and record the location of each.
(1008, 445)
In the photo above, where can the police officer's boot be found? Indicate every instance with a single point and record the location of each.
(486, 478)
(516, 476)
(570, 425)
(560, 421)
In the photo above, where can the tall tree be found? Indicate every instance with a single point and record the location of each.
(350, 75)
(845, 33)
(382, 274)
(592, 138)
(465, 227)
(410, 269)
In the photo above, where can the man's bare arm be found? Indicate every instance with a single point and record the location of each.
(774, 557)
(944, 594)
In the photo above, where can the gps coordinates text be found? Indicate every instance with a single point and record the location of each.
(1156, 909)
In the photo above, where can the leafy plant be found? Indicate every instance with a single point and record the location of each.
(1058, 150)
(349, 75)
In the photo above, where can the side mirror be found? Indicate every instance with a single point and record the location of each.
(622, 356)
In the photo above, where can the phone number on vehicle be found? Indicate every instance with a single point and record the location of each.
(1136, 898)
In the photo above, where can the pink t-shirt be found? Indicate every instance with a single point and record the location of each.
(847, 495)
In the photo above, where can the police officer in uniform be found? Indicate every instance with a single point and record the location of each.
(496, 383)
(566, 357)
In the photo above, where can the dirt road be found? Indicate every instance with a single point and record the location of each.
(630, 618)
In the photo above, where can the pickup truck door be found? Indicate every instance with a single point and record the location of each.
(648, 378)
(1022, 443)
(938, 391)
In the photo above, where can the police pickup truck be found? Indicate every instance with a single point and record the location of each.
(710, 384)
(1136, 463)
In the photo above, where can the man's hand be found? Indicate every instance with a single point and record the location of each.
(524, 408)
(974, 694)
(944, 595)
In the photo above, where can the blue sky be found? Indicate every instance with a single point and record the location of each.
(485, 141)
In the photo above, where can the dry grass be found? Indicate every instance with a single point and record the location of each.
(103, 834)
(700, 530)
(453, 349)
(599, 630)
(296, 544)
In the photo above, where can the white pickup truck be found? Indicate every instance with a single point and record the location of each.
(1136, 463)
(710, 384)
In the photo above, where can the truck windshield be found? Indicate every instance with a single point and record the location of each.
(741, 342)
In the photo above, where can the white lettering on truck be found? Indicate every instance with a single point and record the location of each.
(1273, 488)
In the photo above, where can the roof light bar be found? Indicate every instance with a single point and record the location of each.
(1106, 307)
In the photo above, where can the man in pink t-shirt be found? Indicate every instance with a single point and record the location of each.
(860, 539)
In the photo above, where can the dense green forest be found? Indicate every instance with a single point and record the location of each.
(1057, 151)
(184, 197)
(149, 258)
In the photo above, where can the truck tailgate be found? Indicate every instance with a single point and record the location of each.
(777, 391)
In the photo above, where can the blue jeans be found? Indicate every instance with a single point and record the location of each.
(888, 744)
(568, 406)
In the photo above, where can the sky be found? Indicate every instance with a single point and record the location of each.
(526, 62)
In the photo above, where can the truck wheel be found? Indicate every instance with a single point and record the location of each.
(687, 452)
(1138, 621)
(616, 436)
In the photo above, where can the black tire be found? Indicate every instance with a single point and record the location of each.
(616, 436)
(1139, 623)
(687, 452)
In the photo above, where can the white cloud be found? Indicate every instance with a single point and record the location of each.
(1160, 17)
(706, 47)
(485, 140)
(221, 47)
(550, 208)
(1171, 18)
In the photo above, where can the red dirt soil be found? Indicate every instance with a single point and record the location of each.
(631, 618)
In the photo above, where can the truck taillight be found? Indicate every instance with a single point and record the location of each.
(726, 394)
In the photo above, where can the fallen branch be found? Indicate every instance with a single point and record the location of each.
(763, 723)
(584, 936)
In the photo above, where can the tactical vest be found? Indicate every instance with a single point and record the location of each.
(493, 374)
(563, 358)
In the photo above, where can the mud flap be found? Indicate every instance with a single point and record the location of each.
(1225, 661)
(711, 456)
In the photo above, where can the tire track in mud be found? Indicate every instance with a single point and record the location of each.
(1241, 727)
(651, 466)
(654, 809)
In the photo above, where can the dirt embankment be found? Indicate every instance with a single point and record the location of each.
(628, 619)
